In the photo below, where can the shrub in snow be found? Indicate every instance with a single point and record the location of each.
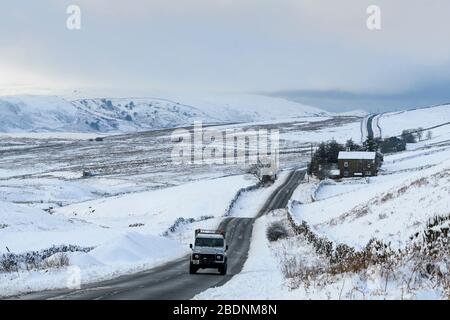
(276, 231)
(342, 253)
(321, 245)
(95, 126)
(392, 144)
(423, 263)
(297, 272)
(238, 195)
(58, 260)
(107, 104)
(8, 264)
(12, 262)
(180, 222)
(135, 225)
(343, 258)
(408, 136)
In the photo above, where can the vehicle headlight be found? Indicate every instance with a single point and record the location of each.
(219, 257)
(196, 256)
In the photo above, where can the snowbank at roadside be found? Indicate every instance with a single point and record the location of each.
(125, 232)
(129, 253)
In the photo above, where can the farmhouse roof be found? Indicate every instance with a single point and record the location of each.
(356, 155)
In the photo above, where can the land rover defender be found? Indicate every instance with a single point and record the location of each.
(209, 251)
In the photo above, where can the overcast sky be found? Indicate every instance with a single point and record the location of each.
(294, 48)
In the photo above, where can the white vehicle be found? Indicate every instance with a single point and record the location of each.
(209, 251)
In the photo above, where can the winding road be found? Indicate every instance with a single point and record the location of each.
(369, 126)
(172, 280)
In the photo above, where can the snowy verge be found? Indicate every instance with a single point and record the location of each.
(259, 279)
(129, 253)
(291, 268)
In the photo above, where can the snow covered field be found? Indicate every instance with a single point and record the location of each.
(340, 133)
(95, 222)
(125, 231)
(130, 204)
(264, 275)
(396, 207)
(122, 200)
(412, 187)
(392, 206)
(128, 233)
(393, 123)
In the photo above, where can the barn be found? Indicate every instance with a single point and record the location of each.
(358, 163)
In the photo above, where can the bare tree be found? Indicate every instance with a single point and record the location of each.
(429, 135)
(256, 170)
(420, 134)
(262, 172)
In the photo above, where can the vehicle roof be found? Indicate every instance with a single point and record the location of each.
(209, 235)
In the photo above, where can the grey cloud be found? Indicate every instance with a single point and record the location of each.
(246, 45)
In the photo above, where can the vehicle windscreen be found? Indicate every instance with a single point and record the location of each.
(209, 242)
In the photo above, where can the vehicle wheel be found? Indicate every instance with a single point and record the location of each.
(223, 270)
(192, 269)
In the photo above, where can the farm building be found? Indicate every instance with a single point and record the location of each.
(358, 163)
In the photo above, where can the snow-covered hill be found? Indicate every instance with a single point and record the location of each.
(393, 123)
(29, 113)
(52, 113)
